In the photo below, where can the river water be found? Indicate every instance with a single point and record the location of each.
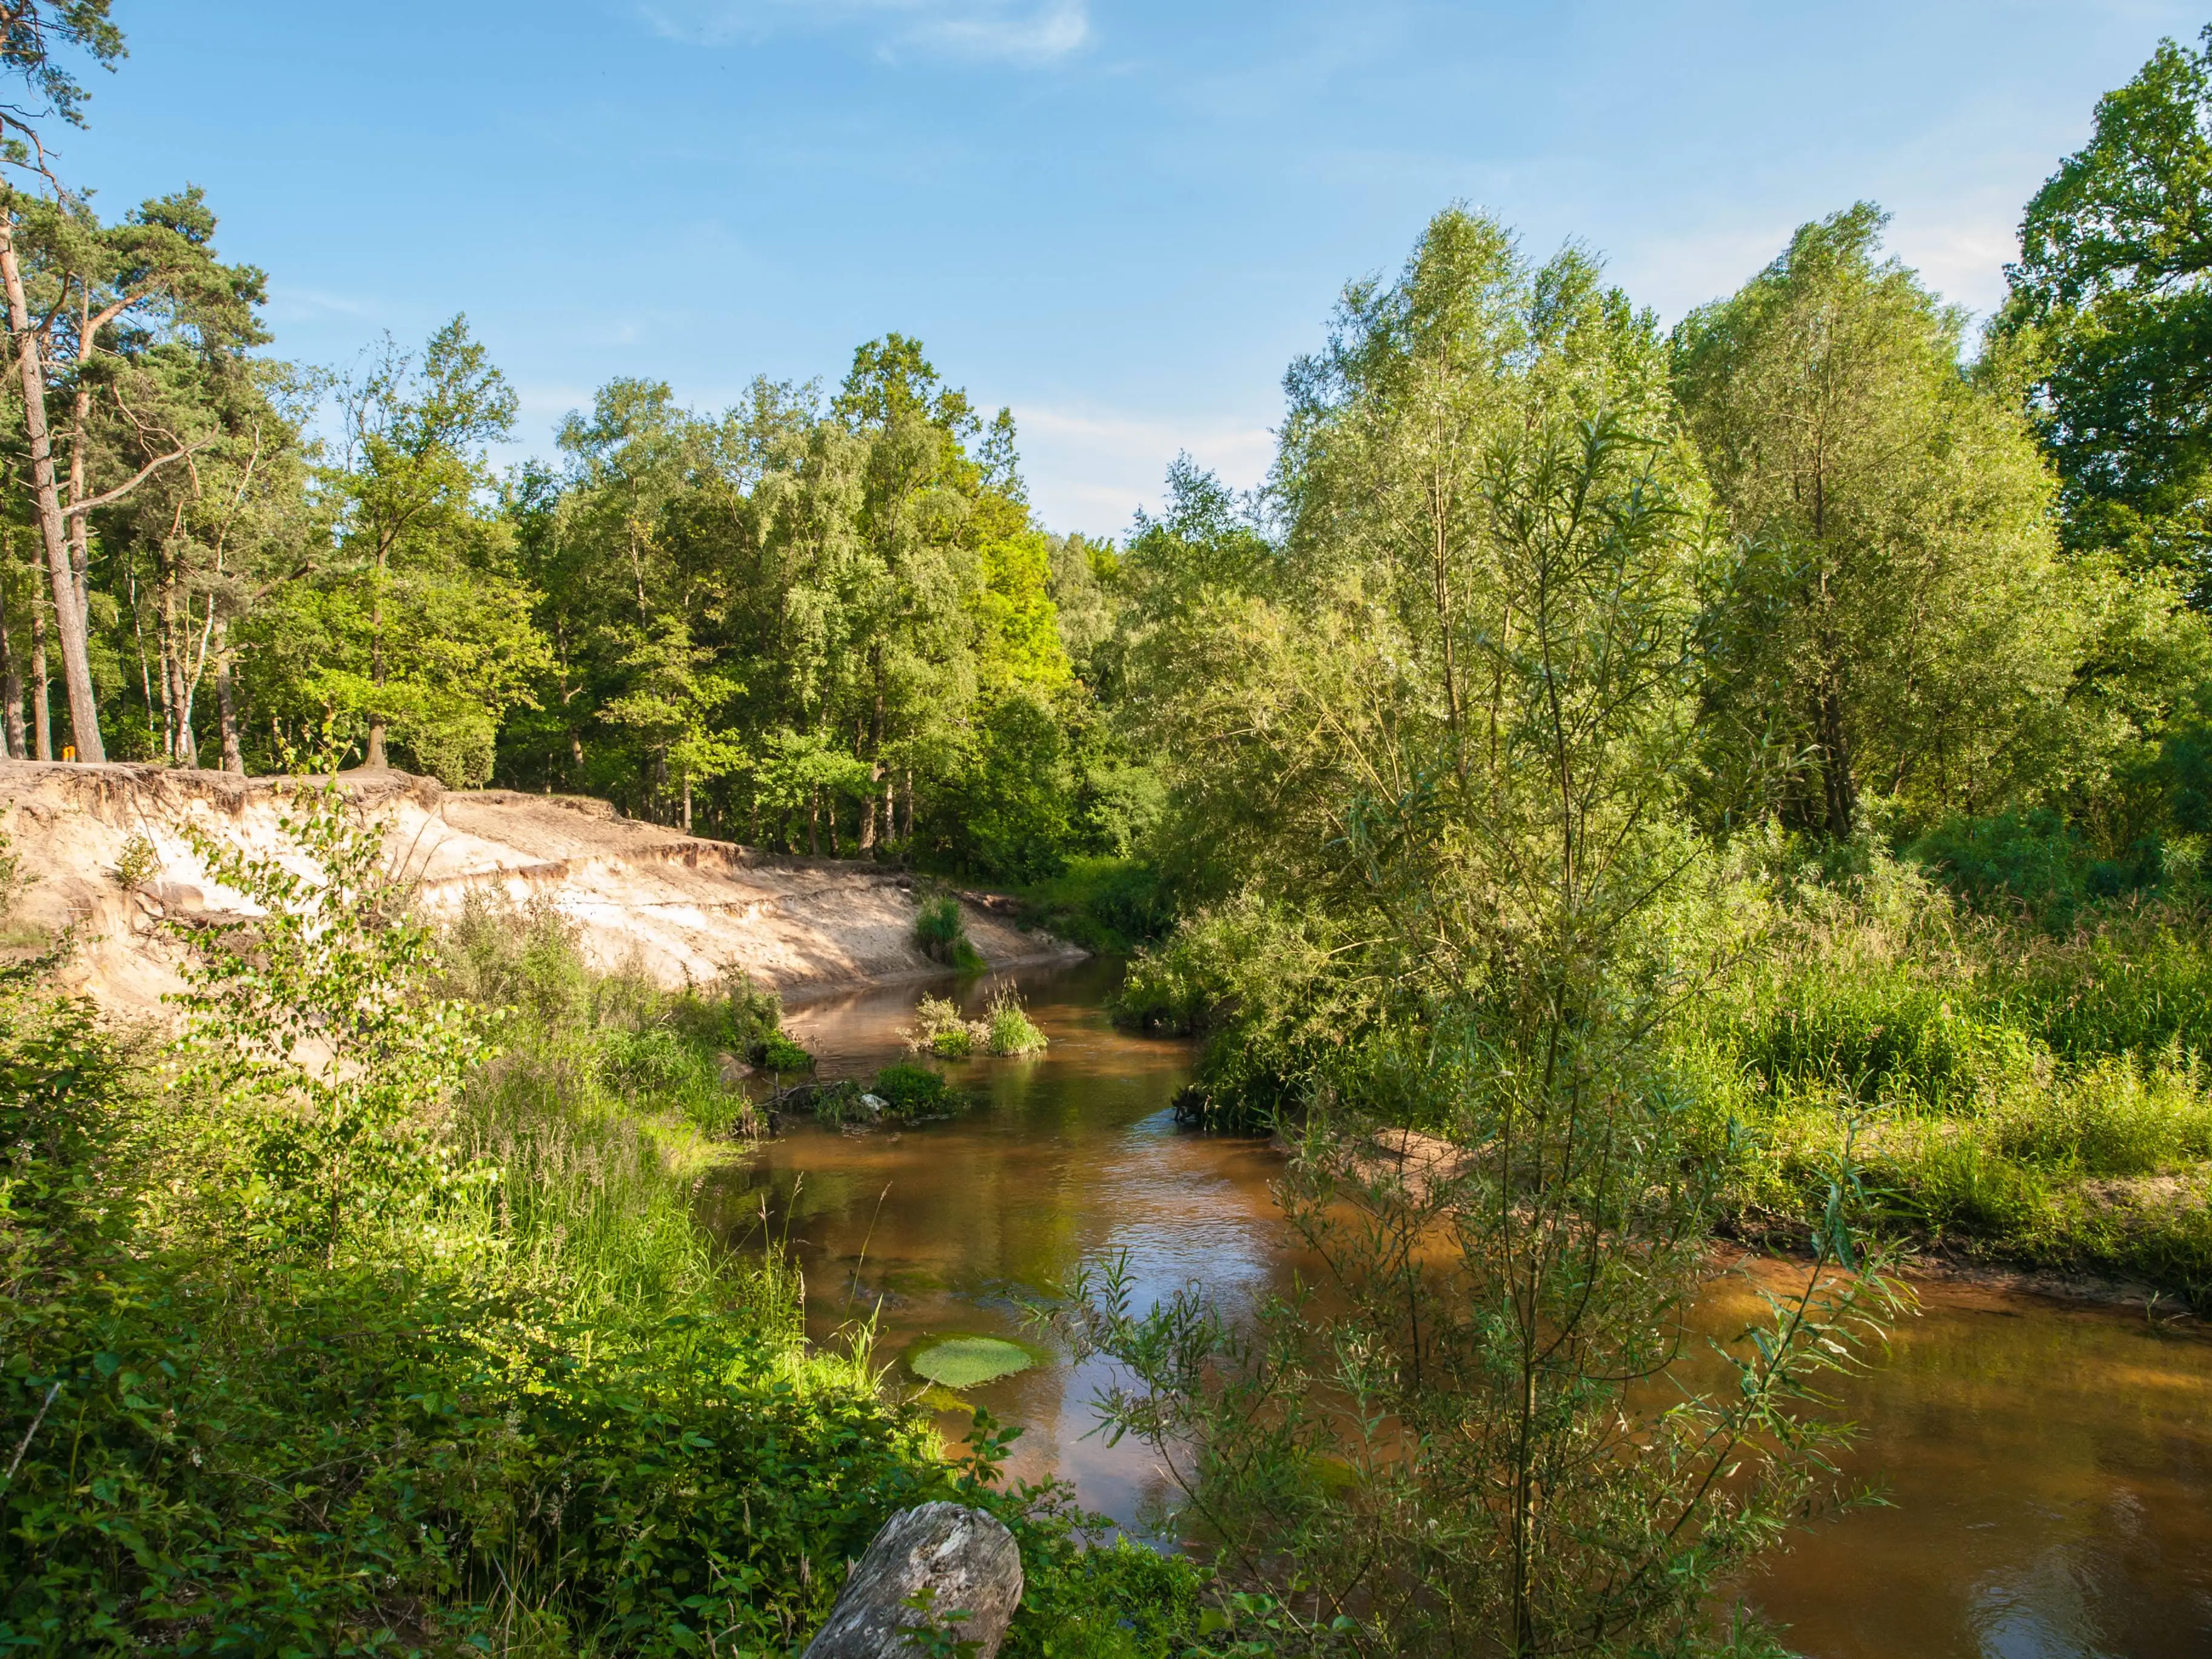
(2047, 1467)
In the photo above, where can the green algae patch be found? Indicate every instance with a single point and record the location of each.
(966, 1362)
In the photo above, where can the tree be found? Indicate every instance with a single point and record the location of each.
(419, 629)
(1466, 709)
(2110, 318)
(32, 31)
(1897, 613)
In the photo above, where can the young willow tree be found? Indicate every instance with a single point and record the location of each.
(1900, 614)
(1473, 694)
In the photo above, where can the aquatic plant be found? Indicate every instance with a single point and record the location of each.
(1008, 1028)
(912, 1092)
(776, 1051)
(939, 1028)
(968, 1362)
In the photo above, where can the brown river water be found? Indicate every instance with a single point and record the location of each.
(2047, 1466)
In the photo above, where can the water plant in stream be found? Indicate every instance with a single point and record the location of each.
(939, 1028)
(958, 1361)
(1008, 1029)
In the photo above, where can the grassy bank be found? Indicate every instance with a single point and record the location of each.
(2024, 1086)
(2018, 1092)
(428, 1355)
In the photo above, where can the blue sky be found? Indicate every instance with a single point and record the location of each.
(1122, 218)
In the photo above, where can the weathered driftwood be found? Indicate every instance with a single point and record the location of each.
(965, 1557)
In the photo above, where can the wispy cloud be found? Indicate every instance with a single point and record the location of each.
(1090, 469)
(1024, 31)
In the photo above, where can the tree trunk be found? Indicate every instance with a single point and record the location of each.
(11, 678)
(875, 740)
(814, 823)
(687, 803)
(226, 702)
(1836, 779)
(42, 718)
(68, 601)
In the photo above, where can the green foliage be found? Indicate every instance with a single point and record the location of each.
(941, 931)
(914, 1093)
(1110, 904)
(531, 1401)
(1898, 611)
(11, 875)
(2031, 860)
(1011, 1030)
(303, 1021)
(939, 1028)
(420, 632)
(1253, 979)
(648, 1049)
(2025, 1094)
(2108, 318)
(778, 1053)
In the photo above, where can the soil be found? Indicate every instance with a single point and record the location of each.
(679, 907)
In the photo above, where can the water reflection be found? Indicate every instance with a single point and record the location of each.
(2049, 1468)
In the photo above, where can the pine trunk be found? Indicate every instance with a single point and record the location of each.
(226, 702)
(42, 718)
(11, 679)
(69, 604)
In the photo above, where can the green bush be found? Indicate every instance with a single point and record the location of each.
(941, 931)
(914, 1092)
(1255, 982)
(777, 1053)
(938, 1030)
(1111, 905)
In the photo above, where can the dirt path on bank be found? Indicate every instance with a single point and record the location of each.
(678, 907)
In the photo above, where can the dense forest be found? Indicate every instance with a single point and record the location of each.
(1749, 778)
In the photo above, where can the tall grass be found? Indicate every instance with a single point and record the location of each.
(2016, 1093)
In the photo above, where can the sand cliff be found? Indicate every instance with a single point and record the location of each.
(675, 905)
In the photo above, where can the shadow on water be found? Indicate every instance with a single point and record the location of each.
(2048, 1469)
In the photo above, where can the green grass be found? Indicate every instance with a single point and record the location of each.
(2016, 1094)
(1011, 1032)
(941, 931)
(1110, 905)
(536, 1410)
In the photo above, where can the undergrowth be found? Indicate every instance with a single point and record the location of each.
(2019, 1093)
(404, 1339)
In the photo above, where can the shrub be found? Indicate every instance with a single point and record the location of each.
(776, 1051)
(914, 1092)
(1112, 905)
(941, 931)
(938, 1030)
(1253, 981)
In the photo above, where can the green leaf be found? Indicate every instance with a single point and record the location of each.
(968, 1362)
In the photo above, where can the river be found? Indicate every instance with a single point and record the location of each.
(2047, 1466)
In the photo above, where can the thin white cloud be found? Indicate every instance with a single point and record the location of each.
(1026, 31)
(290, 303)
(1089, 470)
